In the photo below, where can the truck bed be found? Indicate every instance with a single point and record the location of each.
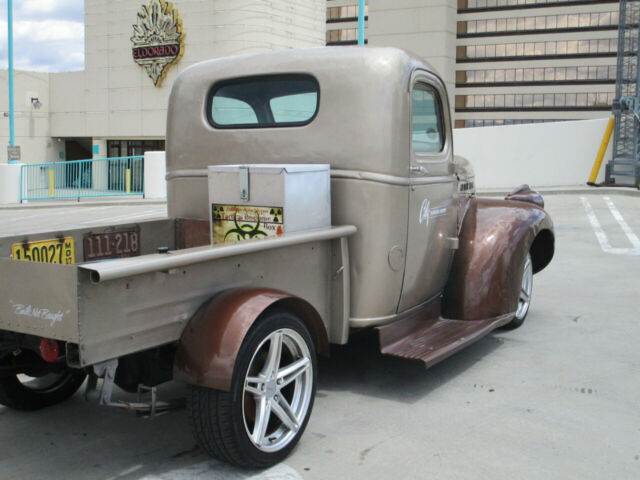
(109, 308)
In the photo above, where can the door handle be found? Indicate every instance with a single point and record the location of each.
(418, 169)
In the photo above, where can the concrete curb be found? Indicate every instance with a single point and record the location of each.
(565, 190)
(486, 192)
(87, 203)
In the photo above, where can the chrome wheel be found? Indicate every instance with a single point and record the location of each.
(524, 299)
(259, 421)
(278, 389)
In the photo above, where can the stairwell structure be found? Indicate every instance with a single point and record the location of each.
(624, 167)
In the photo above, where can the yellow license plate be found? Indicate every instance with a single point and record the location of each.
(56, 250)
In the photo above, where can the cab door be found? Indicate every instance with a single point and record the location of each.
(432, 227)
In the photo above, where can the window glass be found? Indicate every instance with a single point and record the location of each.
(229, 111)
(268, 101)
(426, 123)
(293, 108)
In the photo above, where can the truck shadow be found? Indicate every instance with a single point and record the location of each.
(79, 440)
(360, 367)
(86, 441)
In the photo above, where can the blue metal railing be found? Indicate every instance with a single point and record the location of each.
(100, 177)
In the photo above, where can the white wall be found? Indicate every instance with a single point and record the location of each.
(114, 98)
(540, 154)
(32, 126)
(426, 28)
(155, 170)
(9, 183)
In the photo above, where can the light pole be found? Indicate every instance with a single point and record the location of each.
(360, 22)
(12, 134)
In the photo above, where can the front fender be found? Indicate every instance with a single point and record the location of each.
(209, 345)
(486, 274)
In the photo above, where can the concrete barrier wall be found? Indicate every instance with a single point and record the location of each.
(9, 183)
(155, 169)
(540, 154)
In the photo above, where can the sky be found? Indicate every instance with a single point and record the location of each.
(48, 35)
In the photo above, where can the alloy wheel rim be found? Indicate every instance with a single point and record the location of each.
(277, 390)
(524, 300)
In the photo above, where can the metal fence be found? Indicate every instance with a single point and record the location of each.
(103, 177)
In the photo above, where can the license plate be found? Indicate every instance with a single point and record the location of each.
(55, 250)
(115, 244)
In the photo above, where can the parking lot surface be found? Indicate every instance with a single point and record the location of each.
(556, 399)
(25, 220)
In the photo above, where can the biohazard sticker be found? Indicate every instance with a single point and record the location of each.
(235, 223)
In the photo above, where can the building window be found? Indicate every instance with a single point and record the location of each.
(554, 48)
(348, 13)
(602, 73)
(499, 26)
(498, 122)
(130, 148)
(536, 101)
(503, 4)
(344, 16)
(343, 35)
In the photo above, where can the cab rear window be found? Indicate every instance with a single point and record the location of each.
(265, 101)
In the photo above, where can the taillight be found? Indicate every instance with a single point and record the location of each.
(49, 350)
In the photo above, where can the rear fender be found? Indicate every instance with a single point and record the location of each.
(209, 345)
(486, 274)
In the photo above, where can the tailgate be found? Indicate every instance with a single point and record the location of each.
(39, 299)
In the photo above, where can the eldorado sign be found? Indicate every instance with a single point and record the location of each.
(157, 39)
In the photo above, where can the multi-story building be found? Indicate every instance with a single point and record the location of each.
(534, 60)
(503, 61)
(515, 61)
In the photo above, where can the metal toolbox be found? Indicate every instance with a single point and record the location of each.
(257, 201)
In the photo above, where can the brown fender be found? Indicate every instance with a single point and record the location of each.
(209, 345)
(523, 193)
(486, 274)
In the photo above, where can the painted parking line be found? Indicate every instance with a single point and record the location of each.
(605, 245)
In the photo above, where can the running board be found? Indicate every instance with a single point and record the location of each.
(432, 339)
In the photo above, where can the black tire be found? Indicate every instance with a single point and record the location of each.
(30, 396)
(218, 418)
(524, 297)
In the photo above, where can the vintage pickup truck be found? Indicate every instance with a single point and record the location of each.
(410, 250)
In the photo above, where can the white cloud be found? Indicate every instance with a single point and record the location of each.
(48, 35)
(50, 9)
(44, 31)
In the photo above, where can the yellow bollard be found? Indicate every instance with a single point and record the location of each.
(128, 180)
(52, 186)
(603, 148)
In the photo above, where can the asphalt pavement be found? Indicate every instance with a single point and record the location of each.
(556, 399)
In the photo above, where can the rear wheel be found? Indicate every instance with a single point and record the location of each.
(260, 420)
(22, 392)
(524, 298)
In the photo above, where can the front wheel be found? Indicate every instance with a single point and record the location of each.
(524, 298)
(260, 420)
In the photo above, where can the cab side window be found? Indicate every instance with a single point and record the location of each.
(427, 132)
